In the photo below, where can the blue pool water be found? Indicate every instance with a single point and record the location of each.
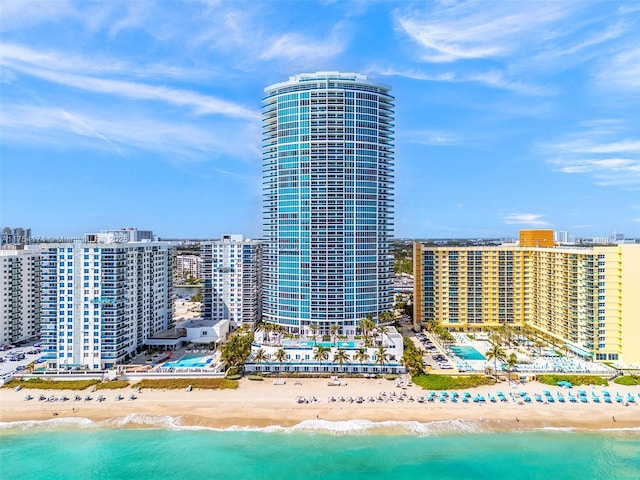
(467, 353)
(189, 361)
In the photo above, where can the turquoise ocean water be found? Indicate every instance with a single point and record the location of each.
(314, 450)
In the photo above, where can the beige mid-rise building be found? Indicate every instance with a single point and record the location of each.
(587, 298)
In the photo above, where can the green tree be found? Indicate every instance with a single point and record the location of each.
(382, 331)
(314, 330)
(361, 356)
(341, 357)
(431, 325)
(321, 354)
(335, 330)
(446, 338)
(495, 353)
(381, 356)
(366, 325)
(281, 356)
(512, 361)
(259, 357)
(236, 351)
(412, 357)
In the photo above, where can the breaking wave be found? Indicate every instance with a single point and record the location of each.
(317, 426)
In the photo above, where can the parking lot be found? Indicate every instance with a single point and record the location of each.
(15, 360)
(434, 357)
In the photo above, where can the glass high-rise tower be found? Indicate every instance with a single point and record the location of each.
(328, 201)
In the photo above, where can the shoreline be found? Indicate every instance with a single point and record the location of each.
(264, 406)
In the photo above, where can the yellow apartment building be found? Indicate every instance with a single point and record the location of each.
(588, 298)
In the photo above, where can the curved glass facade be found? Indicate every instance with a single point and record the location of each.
(328, 201)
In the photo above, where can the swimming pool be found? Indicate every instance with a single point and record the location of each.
(189, 361)
(467, 353)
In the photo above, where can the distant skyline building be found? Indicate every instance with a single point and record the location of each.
(15, 236)
(232, 278)
(125, 234)
(562, 237)
(188, 266)
(19, 294)
(103, 300)
(328, 157)
(584, 297)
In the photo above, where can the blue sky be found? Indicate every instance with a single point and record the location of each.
(509, 115)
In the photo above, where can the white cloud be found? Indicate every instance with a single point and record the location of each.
(610, 33)
(612, 172)
(134, 17)
(294, 46)
(478, 29)
(23, 60)
(118, 132)
(413, 74)
(497, 79)
(492, 78)
(19, 56)
(621, 72)
(439, 138)
(533, 219)
(587, 146)
(612, 163)
(18, 14)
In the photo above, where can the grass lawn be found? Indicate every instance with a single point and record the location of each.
(176, 383)
(112, 385)
(446, 382)
(43, 384)
(574, 379)
(628, 380)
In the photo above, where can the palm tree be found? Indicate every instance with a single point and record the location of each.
(314, 329)
(431, 325)
(238, 349)
(382, 331)
(279, 331)
(340, 356)
(366, 325)
(281, 355)
(259, 357)
(496, 353)
(267, 328)
(381, 356)
(361, 356)
(386, 316)
(446, 338)
(512, 361)
(321, 354)
(335, 330)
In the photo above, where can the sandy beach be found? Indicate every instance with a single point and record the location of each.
(263, 404)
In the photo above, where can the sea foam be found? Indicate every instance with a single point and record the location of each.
(312, 426)
(50, 424)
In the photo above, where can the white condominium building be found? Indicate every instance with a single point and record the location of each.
(232, 268)
(101, 301)
(188, 266)
(19, 295)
